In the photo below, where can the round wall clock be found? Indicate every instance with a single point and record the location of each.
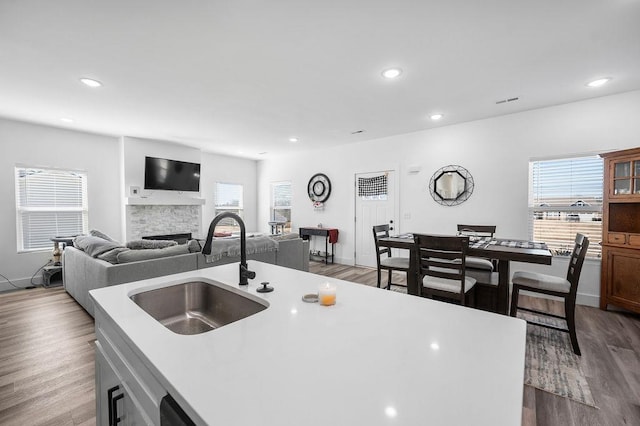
(319, 188)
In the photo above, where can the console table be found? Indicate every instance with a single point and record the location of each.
(330, 236)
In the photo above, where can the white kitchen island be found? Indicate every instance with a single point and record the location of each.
(376, 357)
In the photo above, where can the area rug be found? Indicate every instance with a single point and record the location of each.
(551, 365)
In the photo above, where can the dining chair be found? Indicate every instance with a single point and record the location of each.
(441, 266)
(478, 231)
(482, 269)
(389, 263)
(554, 286)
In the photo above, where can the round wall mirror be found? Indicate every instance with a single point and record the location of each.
(451, 185)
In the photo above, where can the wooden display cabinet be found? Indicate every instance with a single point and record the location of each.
(620, 278)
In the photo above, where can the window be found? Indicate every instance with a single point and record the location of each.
(281, 195)
(229, 198)
(49, 203)
(565, 198)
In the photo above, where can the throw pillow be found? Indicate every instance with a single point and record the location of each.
(96, 233)
(94, 246)
(194, 246)
(150, 244)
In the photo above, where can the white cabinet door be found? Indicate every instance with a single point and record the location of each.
(114, 404)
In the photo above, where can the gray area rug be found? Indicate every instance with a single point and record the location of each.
(551, 365)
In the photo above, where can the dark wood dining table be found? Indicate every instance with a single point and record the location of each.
(503, 250)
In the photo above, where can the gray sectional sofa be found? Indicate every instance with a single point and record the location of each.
(83, 272)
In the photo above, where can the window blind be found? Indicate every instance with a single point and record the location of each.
(281, 196)
(49, 203)
(229, 198)
(565, 198)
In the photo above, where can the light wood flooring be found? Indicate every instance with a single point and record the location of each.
(47, 361)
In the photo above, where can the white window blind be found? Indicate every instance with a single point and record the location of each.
(229, 198)
(281, 195)
(49, 203)
(565, 198)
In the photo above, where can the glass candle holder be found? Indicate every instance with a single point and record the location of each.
(327, 294)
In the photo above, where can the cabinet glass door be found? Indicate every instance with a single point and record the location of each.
(623, 170)
(622, 178)
(636, 175)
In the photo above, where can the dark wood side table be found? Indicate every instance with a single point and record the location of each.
(330, 236)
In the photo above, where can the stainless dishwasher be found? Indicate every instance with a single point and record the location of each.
(172, 415)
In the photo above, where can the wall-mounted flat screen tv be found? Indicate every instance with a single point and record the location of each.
(171, 175)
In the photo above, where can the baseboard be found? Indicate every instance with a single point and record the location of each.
(19, 282)
(588, 300)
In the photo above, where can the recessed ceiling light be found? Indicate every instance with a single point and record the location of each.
(391, 73)
(436, 116)
(599, 82)
(294, 140)
(91, 82)
(66, 120)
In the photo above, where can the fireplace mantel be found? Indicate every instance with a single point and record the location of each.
(163, 201)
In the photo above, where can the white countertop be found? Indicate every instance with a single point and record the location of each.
(377, 357)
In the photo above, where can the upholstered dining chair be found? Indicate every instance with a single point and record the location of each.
(478, 231)
(384, 259)
(565, 288)
(441, 266)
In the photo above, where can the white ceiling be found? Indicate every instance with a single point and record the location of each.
(232, 76)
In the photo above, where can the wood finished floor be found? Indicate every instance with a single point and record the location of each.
(47, 361)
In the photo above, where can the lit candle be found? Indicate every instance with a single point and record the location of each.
(327, 294)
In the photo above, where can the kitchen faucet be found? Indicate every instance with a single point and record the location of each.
(245, 273)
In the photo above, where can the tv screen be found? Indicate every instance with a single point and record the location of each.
(171, 175)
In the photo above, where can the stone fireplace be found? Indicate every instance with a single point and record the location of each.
(156, 219)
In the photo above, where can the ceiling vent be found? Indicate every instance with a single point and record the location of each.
(504, 101)
(357, 132)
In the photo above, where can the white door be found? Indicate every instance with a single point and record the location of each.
(374, 210)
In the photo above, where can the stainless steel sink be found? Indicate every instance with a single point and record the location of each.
(196, 307)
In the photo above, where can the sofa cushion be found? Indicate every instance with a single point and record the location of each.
(146, 254)
(94, 246)
(111, 256)
(150, 244)
(287, 236)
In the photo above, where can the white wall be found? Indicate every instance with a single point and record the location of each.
(223, 169)
(35, 145)
(496, 152)
(214, 168)
(133, 153)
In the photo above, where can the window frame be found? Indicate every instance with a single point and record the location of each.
(239, 210)
(272, 207)
(23, 207)
(569, 211)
